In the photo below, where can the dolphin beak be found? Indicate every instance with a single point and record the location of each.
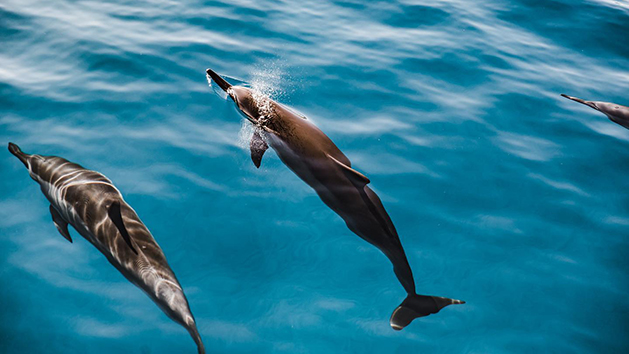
(587, 103)
(219, 80)
(15, 150)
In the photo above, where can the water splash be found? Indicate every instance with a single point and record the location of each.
(267, 84)
(245, 134)
(269, 80)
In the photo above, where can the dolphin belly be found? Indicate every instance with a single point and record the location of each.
(363, 215)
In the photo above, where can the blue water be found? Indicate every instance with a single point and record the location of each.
(504, 194)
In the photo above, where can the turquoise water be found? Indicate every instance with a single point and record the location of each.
(504, 194)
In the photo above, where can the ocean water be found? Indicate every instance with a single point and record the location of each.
(504, 194)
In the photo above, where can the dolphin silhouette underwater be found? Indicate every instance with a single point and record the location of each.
(89, 202)
(314, 158)
(618, 114)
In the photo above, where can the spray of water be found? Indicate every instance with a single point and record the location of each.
(267, 80)
(266, 84)
(245, 134)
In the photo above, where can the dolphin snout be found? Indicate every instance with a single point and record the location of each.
(15, 150)
(219, 80)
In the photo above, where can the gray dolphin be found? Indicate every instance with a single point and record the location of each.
(314, 158)
(616, 113)
(89, 202)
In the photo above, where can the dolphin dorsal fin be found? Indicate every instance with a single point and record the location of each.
(61, 224)
(116, 217)
(258, 147)
(356, 177)
(293, 111)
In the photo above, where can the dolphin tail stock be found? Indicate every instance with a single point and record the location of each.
(194, 333)
(415, 306)
(15, 150)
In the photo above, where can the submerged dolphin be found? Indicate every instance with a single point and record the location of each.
(89, 202)
(314, 158)
(616, 113)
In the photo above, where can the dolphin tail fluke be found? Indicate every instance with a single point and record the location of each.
(415, 306)
(573, 98)
(576, 99)
(15, 150)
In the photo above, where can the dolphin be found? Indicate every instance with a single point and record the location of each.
(314, 158)
(89, 202)
(616, 113)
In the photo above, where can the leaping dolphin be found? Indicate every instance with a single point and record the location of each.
(314, 158)
(616, 113)
(89, 202)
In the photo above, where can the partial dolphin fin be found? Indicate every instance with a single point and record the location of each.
(116, 217)
(576, 99)
(415, 306)
(61, 224)
(356, 177)
(258, 147)
(293, 110)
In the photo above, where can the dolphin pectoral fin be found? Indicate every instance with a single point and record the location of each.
(116, 217)
(258, 147)
(356, 177)
(61, 224)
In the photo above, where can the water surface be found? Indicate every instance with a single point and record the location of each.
(504, 194)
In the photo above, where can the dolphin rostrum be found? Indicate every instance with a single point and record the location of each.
(89, 202)
(616, 113)
(314, 158)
